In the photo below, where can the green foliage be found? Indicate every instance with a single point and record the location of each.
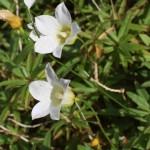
(114, 46)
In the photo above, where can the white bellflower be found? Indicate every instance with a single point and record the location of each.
(51, 94)
(54, 32)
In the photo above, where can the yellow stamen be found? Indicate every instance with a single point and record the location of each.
(13, 20)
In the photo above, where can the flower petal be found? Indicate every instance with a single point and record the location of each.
(47, 25)
(75, 29)
(56, 106)
(41, 109)
(40, 90)
(29, 3)
(33, 35)
(30, 26)
(50, 75)
(55, 111)
(57, 52)
(62, 14)
(45, 44)
(64, 83)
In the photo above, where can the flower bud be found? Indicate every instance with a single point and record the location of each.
(69, 98)
(13, 20)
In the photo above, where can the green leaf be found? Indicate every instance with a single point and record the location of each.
(145, 38)
(124, 28)
(142, 93)
(6, 4)
(137, 112)
(138, 27)
(30, 61)
(57, 125)
(3, 139)
(115, 139)
(37, 61)
(147, 130)
(125, 50)
(64, 70)
(4, 114)
(148, 143)
(140, 101)
(113, 112)
(146, 84)
(84, 147)
(79, 123)
(23, 54)
(27, 98)
(79, 87)
(47, 140)
(10, 83)
(107, 67)
(86, 35)
(18, 72)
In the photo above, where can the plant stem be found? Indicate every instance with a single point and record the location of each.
(31, 19)
(99, 124)
(94, 2)
(90, 136)
(30, 16)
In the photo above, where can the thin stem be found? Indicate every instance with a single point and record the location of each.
(30, 16)
(120, 104)
(24, 33)
(90, 137)
(17, 14)
(31, 19)
(101, 127)
(12, 133)
(113, 9)
(99, 123)
(94, 2)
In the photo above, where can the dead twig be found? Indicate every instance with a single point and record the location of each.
(7, 131)
(23, 125)
(105, 33)
(27, 126)
(121, 91)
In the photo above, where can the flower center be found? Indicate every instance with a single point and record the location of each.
(57, 95)
(65, 32)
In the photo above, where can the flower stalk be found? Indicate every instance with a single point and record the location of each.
(90, 133)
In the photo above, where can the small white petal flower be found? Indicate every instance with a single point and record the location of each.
(29, 3)
(51, 94)
(56, 31)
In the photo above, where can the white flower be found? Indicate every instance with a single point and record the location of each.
(54, 32)
(29, 3)
(52, 95)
